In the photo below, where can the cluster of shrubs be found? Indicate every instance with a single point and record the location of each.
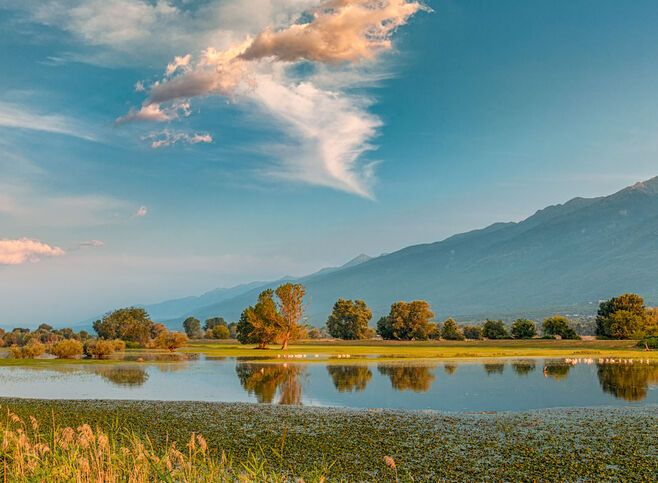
(213, 328)
(556, 327)
(134, 326)
(66, 348)
(552, 328)
(124, 328)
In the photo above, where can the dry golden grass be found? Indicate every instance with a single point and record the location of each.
(88, 455)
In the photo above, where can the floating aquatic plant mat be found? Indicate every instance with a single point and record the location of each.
(380, 445)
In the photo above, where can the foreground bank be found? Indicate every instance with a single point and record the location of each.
(559, 444)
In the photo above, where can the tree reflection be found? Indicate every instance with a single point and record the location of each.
(264, 380)
(523, 368)
(408, 378)
(350, 378)
(493, 368)
(123, 376)
(449, 368)
(627, 381)
(557, 370)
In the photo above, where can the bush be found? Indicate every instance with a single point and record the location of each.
(31, 350)
(100, 349)
(472, 332)
(170, 341)
(649, 342)
(524, 329)
(315, 333)
(220, 332)
(67, 349)
(494, 329)
(119, 345)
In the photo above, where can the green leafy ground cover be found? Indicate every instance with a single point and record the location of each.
(602, 444)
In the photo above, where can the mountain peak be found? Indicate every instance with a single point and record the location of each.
(358, 260)
(649, 186)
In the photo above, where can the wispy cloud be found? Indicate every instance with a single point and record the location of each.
(22, 250)
(91, 244)
(21, 117)
(141, 212)
(156, 113)
(26, 205)
(168, 138)
(125, 32)
(249, 52)
(330, 129)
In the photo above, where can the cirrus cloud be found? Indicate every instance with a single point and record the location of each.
(331, 129)
(22, 250)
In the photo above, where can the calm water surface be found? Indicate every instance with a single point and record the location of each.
(495, 385)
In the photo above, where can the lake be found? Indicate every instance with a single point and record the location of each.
(483, 385)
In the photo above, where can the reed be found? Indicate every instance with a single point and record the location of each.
(85, 455)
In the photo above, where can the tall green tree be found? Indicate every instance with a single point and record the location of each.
(524, 329)
(213, 322)
(261, 323)
(451, 331)
(558, 325)
(473, 332)
(407, 321)
(349, 320)
(131, 324)
(192, 328)
(291, 308)
(622, 317)
(494, 329)
(220, 332)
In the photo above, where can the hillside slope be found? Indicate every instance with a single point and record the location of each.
(565, 257)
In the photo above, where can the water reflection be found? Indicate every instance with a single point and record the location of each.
(496, 368)
(462, 385)
(557, 370)
(449, 368)
(350, 378)
(123, 376)
(151, 356)
(408, 378)
(523, 368)
(265, 380)
(629, 382)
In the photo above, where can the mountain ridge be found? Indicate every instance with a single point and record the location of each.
(565, 256)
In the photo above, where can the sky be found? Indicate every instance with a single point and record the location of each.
(163, 148)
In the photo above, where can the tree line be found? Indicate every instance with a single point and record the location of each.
(277, 315)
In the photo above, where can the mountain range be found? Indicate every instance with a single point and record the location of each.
(564, 258)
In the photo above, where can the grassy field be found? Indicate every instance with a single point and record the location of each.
(551, 445)
(382, 350)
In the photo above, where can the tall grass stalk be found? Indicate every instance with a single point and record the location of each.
(86, 455)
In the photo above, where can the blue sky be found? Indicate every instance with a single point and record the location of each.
(264, 154)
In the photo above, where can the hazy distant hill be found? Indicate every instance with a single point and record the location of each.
(565, 257)
(171, 309)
